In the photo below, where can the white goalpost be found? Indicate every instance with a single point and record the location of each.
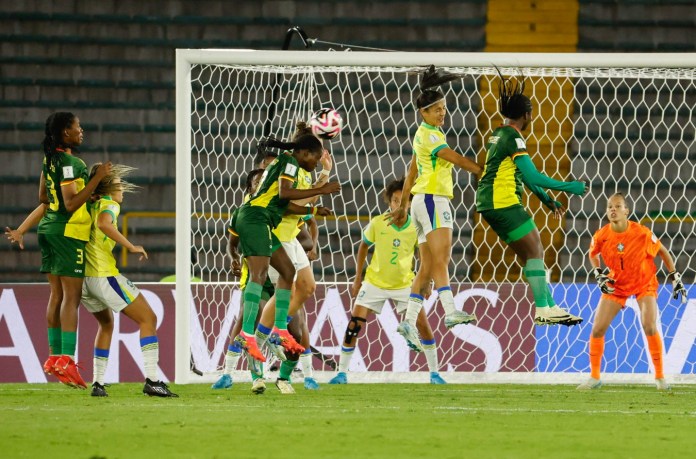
(622, 122)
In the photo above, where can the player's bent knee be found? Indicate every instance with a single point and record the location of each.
(353, 330)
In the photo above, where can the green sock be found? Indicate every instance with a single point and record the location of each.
(549, 297)
(252, 297)
(69, 342)
(286, 369)
(54, 341)
(536, 277)
(282, 306)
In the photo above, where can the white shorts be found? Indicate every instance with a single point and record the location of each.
(373, 298)
(297, 255)
(114, 292)
(430, 212)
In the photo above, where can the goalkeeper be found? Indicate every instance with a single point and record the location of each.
(389, 276)
(628, 249)
(499, 197)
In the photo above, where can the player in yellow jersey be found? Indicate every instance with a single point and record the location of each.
(63, 233)
(429, 179)
(106, 291)
(388, 278)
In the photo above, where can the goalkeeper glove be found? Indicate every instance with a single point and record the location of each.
(677, 286)
(603, 281)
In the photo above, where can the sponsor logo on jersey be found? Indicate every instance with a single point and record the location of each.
(68, 172)
(291, 170)
(520, 144)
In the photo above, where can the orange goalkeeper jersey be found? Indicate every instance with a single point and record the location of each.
(630, 256)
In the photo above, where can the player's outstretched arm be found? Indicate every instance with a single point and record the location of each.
(233, 253)
(286, 191)
(31, 221)
(674, 276)
(459, 160)
(294, 209)
(105, 223)
(74, 199)
(531, 176)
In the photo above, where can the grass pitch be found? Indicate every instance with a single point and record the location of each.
(352, 421)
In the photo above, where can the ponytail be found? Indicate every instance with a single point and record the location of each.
(303, 142)
(513, 103)
(56, 123)
(432, 78)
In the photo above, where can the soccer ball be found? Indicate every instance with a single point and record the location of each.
(326, 123)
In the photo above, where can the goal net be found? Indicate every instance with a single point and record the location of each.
(621, 122)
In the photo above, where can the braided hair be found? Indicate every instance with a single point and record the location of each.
(56, 123)
(248, 183)
(303, 142)
(512, 103)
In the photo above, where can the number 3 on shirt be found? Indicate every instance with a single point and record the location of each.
(80, 257)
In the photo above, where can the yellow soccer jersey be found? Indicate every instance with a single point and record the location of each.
(288, 228)
(100, 257)
(434, 174)
(391, 266)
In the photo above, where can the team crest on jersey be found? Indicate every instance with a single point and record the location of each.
(493, 140)
(396, 243)
(620, 247)
(447, 216)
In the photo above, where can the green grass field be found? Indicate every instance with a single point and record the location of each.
(353, 421)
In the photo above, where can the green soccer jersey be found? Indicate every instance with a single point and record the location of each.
(267, 197)
(66, 170)
(501, 183)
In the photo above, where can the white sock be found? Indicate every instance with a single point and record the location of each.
(234, 352)
(150, 349)
(447, 300)
(344, 361)
(306, 361)
(101, 359)
(430, 351)
(415, 304)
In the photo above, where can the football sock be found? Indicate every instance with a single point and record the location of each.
(549, 297)
(54, 341)
(252, 297)
(262, 333)
(306, 360)
(101, 358)
(415, 303)
(596, 351)
(68, 343)
(430, 351)
(282, 306)
(344, 360)
(232, 357)
(286, 369)
(536, 277)
(445, 294)
(655, 347)
(150, 348)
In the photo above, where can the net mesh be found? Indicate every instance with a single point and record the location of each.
(623, 129)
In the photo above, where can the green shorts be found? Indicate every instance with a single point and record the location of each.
(255, 236)
(61, 255)
(510, 223)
